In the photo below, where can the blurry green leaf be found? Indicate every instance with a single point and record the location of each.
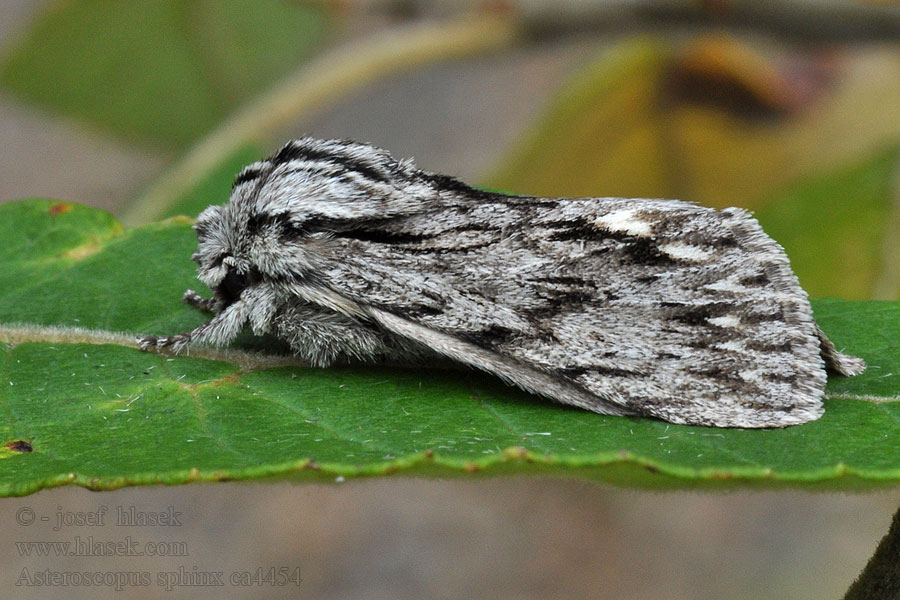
(105, 415)
(832, 226)
(164, 71)
(216, 184)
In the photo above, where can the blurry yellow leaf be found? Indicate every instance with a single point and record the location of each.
(715, 123)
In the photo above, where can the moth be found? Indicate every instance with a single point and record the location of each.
(655, 308)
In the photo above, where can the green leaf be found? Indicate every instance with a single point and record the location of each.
(164, 71)
(81, 405)
(832, 226)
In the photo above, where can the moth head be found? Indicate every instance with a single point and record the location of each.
(244, 242)
(222, 259)
(283, 211)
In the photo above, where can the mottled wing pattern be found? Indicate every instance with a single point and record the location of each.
(658, 307)
(644, 307)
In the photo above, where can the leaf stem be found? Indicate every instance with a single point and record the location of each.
(795, 19)
(318, 82)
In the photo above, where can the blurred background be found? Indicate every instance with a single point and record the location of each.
(146, 108)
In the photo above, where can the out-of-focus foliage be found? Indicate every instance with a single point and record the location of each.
(215, 187)
(160, 71)
(833, 227)
(719, 124)
(714, 123)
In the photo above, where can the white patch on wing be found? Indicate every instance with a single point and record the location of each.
(754, 376)
(726, 321)
(624, 221)
(725, 285)
(732, 346)
(686, 251)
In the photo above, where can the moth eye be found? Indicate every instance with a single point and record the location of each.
(234, 283)
(231, 287)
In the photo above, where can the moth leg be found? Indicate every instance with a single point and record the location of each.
(194, 299)
(221, 329)
(263, 300)
(840, 363)
(322, 337)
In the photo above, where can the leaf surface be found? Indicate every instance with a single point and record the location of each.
(81, 405)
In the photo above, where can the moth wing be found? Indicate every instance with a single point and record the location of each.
(645, 307)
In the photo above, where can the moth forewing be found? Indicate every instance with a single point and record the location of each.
(620, 306)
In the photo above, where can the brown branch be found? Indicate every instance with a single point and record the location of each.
(824, 21)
